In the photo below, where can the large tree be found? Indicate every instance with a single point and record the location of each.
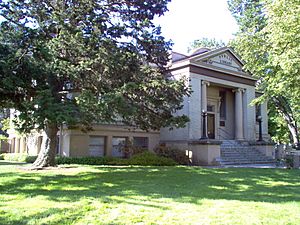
(206, 43)
(268, 41)
(79, 62)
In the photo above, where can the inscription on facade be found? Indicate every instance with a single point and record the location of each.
(225, 59)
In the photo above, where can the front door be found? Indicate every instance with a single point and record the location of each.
(211, 126)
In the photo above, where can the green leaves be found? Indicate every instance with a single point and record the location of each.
(84, 62)
(206, 43)
(269, 42)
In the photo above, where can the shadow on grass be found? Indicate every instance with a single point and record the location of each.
(8, 163)
(55, 215)
(181, 184)
(268, 185)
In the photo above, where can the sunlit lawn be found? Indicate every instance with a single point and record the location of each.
(148, 195)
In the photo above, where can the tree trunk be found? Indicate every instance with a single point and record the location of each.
(295, 136)
(286, 111)
(293, 128)
(47, 154)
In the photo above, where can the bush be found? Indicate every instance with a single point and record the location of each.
(289, 161)
(145, 158)
(150, 159)
(128, 149)
(81, 160)
(142, 159)
(177, 155)
(17, 157)
(113, 161)
(90, 160)
(30, 158)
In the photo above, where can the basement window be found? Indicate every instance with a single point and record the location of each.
(96, 146)
(141, 142)
(117, 145)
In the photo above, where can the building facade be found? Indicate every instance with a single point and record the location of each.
(220, 109)
(222, 90)
(104, 140)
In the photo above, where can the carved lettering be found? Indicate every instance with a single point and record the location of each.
(225, 59)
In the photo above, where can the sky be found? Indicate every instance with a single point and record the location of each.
(188, 20)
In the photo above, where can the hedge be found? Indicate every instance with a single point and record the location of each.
(143, 159)
(18, 157)
(150, 159)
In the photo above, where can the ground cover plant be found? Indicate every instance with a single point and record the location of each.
(76, 194)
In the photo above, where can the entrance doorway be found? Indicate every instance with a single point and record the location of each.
(211, 126)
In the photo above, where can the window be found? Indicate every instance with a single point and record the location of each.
(210, 108)
(117, 144)
(141, 142)
(96, 146)
(222, 95)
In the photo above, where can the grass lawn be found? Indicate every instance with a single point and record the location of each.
(148, 195)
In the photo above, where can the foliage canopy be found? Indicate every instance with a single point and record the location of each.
(206, 43)
(77, 62)
(268, 41)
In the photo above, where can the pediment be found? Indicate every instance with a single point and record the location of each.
(221, 59)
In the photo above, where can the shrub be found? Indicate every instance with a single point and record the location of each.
(142, 159)
(30, 158)
(90, 160)
(81, 160)
(289, 161)
(177, 155)
(145, 158)
(128, 149)
(113, 161)
(18, 157)
(150, 159)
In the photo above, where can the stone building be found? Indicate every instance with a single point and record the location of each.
(223, 92)
(220, 111)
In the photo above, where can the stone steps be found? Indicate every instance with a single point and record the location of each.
(247, 163)
(247, 157)
(234, 153)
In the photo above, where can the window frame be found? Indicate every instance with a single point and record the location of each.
(104, 145)
(143, 147)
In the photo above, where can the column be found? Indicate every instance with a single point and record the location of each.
(108, 146)
(12, 145)
(204, 85)
(22, 145)
(17, 145)
(239, 128)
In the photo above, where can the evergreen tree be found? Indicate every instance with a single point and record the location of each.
(79, 62)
